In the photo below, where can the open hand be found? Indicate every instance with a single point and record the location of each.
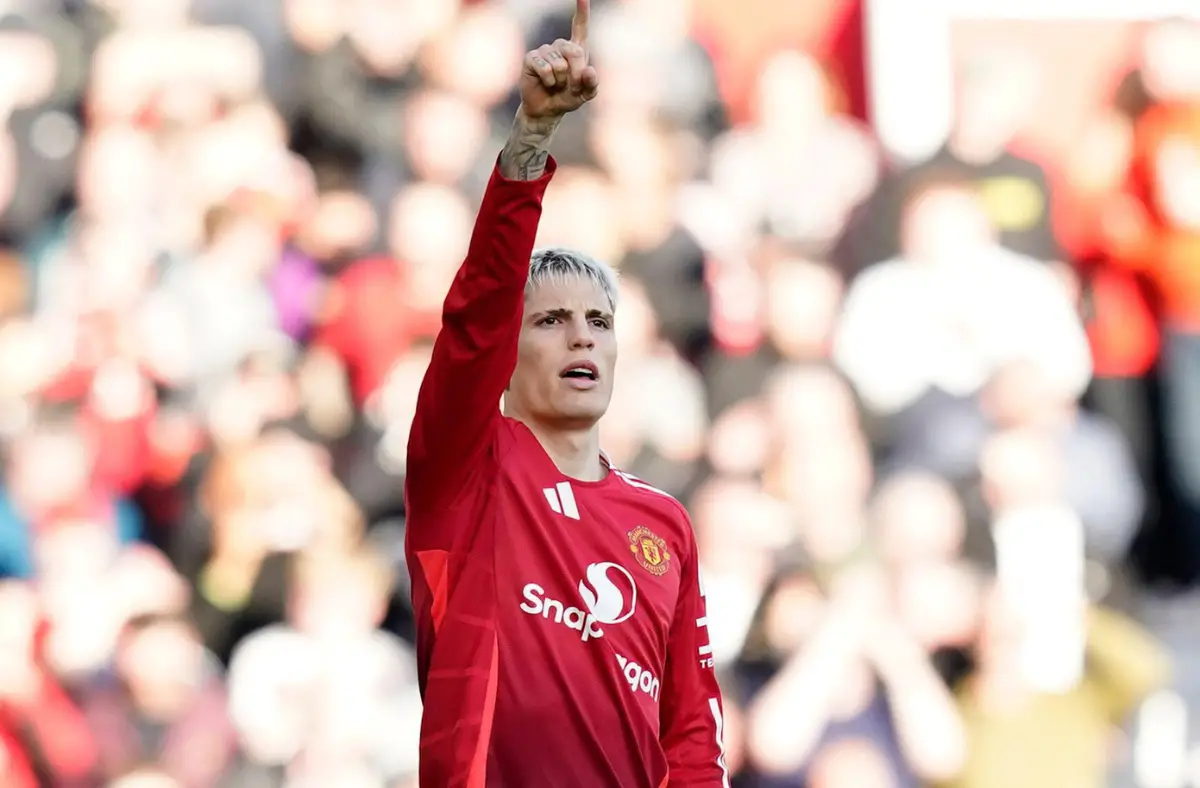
(556, 78)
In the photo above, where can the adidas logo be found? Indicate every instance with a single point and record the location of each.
(562, 500)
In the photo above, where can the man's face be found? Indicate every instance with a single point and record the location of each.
(566, 355)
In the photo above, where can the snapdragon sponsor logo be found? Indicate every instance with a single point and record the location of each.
(639, 679)
(608, 595)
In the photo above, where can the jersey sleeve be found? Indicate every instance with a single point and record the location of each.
(692, 723)
(458, 408)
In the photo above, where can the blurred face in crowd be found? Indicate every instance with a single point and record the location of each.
(1020, 468)
(342, 225)
(337, 596)
(632, 148)
(316, 25)
(1098, 162)
(938, 603)
(792, 614)
(803, 299)
(50, 466)
(826, 480)
(26, 360)
(428, 227)
(117, 172)
(75, 561)
(383, 36)
(30, 66)
(428, 231)
(739, 527)
(443, 135)
(918, 519)
(855, 762)
(1177, 182)
(582, 211)
(792, 96)
(995, 97)
(566, 356)
(145, 583)
(740, 440)
(1170, 68)
(287, 469)
(160, 665)
(119, 256)
(669, 19)
(477, 57)
(647, 213)
(241, 149)
(810, 404)
(944, 225)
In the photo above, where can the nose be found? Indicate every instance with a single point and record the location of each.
(581, 336)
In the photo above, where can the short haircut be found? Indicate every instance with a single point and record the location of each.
(556, 265)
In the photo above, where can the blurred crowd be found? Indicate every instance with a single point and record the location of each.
(941, 453)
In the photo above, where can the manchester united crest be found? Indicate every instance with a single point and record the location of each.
(650, 549)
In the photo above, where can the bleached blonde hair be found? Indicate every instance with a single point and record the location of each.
(557, 264)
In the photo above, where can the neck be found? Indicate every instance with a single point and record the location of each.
(576, 453)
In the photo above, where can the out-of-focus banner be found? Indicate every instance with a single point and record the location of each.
(1078, 49)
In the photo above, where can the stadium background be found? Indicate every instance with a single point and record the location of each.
(227, 227)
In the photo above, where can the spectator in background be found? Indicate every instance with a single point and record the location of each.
(953, 307)
(167, 703)
(1045, 659)
(1100, 479)
(38, 719)
(327, 692)
(1156, 233)
(653, 437)
(1022, 733)
(995, 94)
(839, 671)
(47, 57)
(52, 482)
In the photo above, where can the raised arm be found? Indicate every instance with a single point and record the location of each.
(475, 352)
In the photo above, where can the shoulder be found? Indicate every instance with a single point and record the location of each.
(671, 511)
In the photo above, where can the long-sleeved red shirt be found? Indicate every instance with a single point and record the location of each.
(562, 636)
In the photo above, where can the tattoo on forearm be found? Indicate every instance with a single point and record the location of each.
(528, 149)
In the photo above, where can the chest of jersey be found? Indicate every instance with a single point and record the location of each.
(587, 571)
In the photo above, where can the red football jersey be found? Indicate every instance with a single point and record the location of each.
(562, 636)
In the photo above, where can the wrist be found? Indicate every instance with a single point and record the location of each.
(530, 125)
(527, 151)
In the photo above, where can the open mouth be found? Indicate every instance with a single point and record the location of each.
(581, 371)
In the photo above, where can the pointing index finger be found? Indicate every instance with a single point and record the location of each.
(579, 23)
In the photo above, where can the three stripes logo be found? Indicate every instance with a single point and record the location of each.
(562, 500)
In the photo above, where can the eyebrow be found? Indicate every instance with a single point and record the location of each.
(564, 313)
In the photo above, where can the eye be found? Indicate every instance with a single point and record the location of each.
(548, 320)
(601, 323)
